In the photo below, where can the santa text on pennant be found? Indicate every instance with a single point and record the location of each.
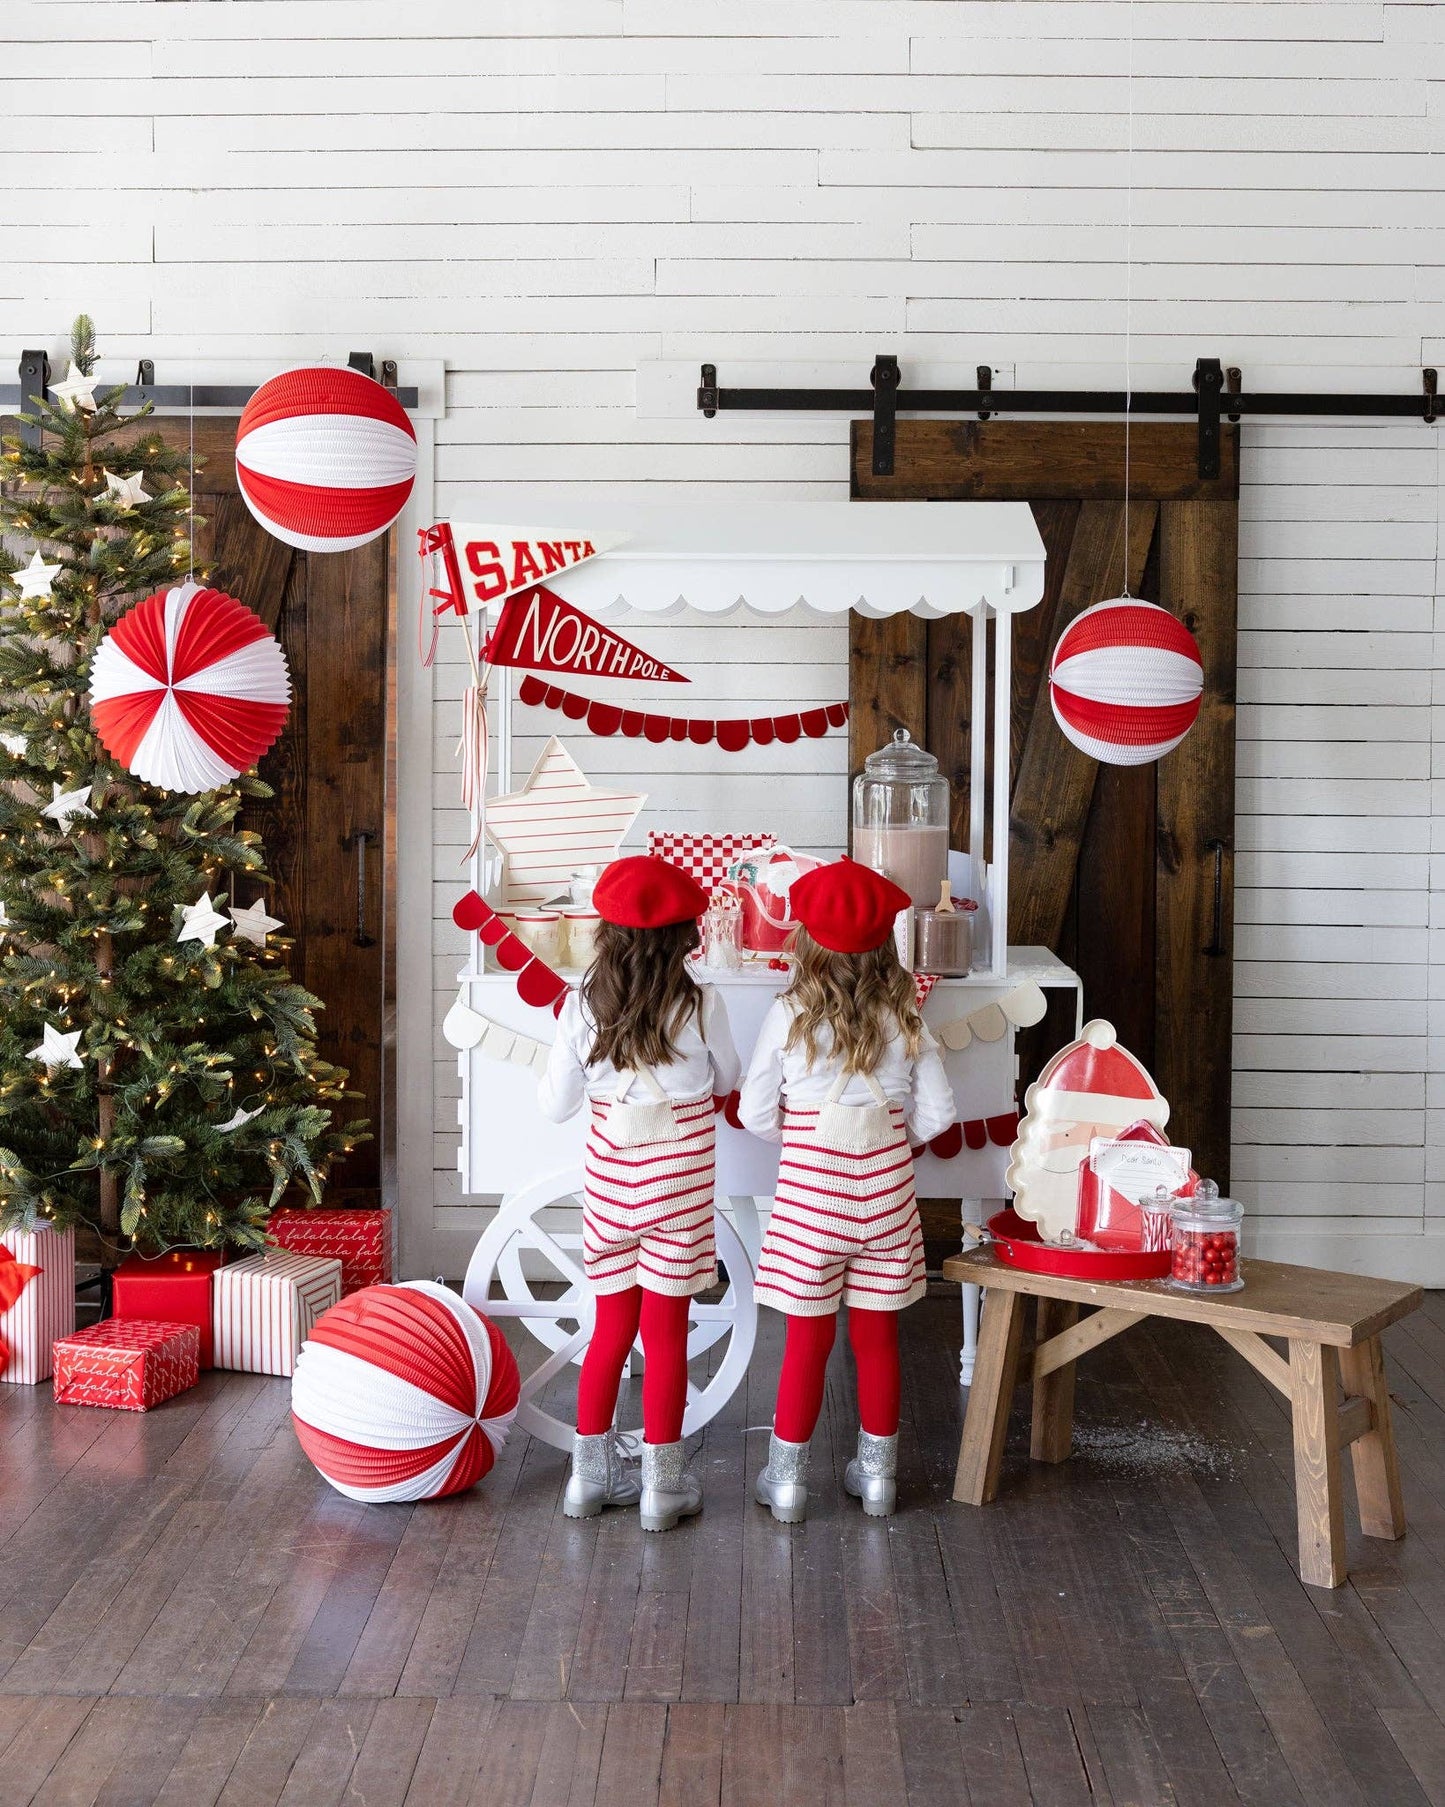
(496, 562)
(541, 631)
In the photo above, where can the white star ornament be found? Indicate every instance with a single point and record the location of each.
(57, 1050)
(126, 489)
(200, 921)
(76, 391)
(35, 579)
(253, 924)
(65, 806)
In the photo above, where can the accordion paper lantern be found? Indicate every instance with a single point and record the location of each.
(1126, 681)
(325, 458)
(404, 1393)
(188, 689)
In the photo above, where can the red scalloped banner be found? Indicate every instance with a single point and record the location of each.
(976, 1133)
(731, 735)
(537, 984)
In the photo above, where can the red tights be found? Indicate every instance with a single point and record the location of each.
(664, 1374)
(874, 1336)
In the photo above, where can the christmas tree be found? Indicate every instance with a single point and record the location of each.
(159, 1079)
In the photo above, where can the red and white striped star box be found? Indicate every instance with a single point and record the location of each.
(128, 1364)
(557, 824)
(45, 1307)
(263, 1308)
(361, 1240)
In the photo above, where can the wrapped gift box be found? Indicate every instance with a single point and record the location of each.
(45, 1306)
(263, 1308)
(129, 1364)
(359, 1240)
(174, 1288)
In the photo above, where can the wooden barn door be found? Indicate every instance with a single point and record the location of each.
(327, 832)
(1127, 874)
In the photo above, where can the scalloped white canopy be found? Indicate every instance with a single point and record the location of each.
(923, 558)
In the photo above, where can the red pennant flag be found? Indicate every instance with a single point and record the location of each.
(541, 631)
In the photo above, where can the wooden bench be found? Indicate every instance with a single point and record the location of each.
(1331, 1322)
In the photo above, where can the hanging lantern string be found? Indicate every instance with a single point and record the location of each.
(1128, 283)
(474, 746)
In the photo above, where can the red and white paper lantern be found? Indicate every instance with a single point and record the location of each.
(325, 458)
(404, 1393)
(1126, 681)
(189, 689)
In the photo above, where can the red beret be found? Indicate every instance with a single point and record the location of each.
(647, 893)
(846, 907)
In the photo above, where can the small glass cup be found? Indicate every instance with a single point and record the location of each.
(1204, 1249)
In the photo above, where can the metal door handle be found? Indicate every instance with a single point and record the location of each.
(359, 841)
(1216, 939)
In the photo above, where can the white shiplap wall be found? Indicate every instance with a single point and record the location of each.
(545, 197)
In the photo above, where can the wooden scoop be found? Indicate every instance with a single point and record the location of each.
(945, 898)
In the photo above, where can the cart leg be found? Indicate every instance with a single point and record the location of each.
(972, 1295)
(971, 1298)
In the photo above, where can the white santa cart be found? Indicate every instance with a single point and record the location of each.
(982, 559)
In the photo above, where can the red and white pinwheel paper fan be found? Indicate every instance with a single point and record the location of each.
(189, 689)
(404, 1393)
(1126, 681)
(325, 458)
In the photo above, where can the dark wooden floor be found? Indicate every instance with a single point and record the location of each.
(190, 1616)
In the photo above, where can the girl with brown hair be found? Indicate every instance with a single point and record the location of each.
(843, 1075)
(647, 1049)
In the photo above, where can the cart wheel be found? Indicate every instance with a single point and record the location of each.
(525, 1229)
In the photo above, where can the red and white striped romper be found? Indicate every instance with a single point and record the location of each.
(844, 1227)
(647, 1207)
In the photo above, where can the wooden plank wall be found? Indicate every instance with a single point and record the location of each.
(546, 198)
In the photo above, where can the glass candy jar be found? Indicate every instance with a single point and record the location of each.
(722, 933)
(1204, 1243)
(901, 818)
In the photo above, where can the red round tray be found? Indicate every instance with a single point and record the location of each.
(1016, 1243)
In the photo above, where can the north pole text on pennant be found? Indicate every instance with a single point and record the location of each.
(541, 631)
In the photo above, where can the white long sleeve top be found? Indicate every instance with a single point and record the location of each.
(779, 1076)
(707, 1061)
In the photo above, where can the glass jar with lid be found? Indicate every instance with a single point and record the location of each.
(1204, 1249)
(901, 804)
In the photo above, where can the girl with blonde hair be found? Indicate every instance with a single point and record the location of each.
(843, 1074)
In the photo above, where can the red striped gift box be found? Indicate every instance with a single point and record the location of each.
(45, 1309)
(360, 1240)
(263, 1308)
(129, 1364)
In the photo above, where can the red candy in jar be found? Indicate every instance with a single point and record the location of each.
(1205, 1244)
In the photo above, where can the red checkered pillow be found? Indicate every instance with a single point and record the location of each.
(706, 856)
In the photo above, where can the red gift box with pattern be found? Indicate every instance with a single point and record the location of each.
(174, 1288)
(359, 1240)
(127, 1364)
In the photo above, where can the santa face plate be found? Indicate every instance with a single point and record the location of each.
(1091, 1088)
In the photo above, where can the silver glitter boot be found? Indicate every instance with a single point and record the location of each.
(870, 1476)
(783, 1484)
(599, 1477)
(669, 1492)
